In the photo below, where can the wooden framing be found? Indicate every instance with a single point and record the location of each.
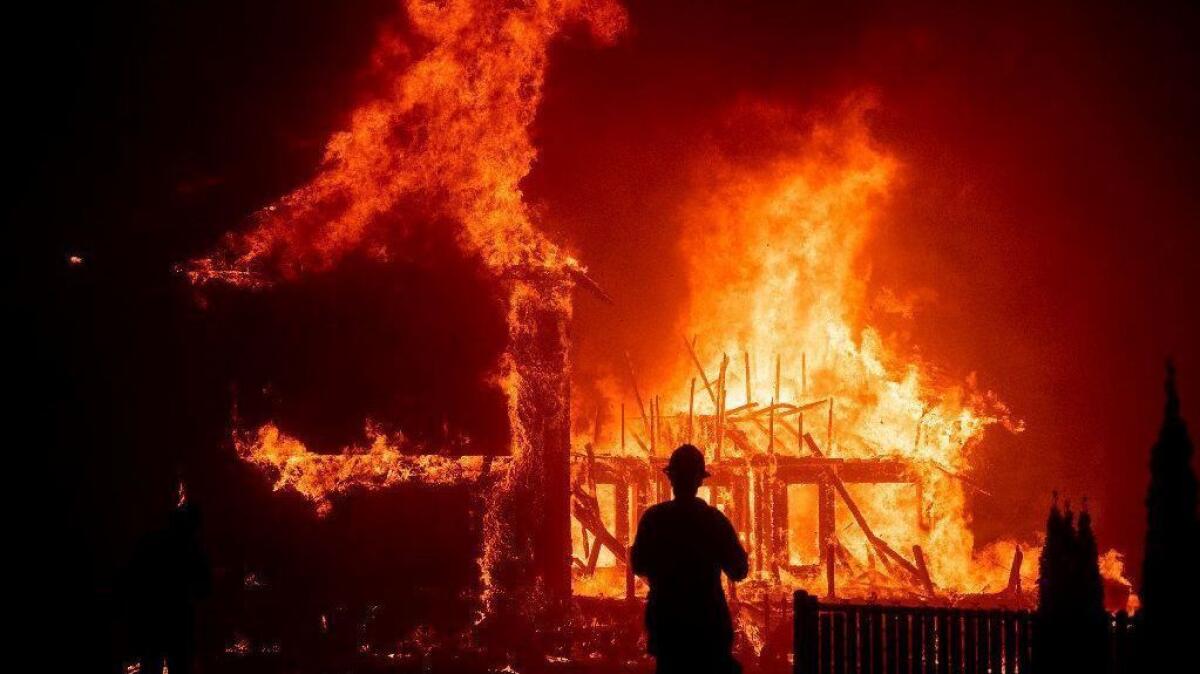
(752, 479)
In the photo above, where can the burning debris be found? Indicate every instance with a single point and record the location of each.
(769, 475)
(841, 464)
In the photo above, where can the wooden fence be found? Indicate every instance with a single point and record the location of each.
(844, 638)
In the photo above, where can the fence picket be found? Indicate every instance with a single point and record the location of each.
(995, 642)
(970, 642)
(872, 639)
(853, 650)
(943, 641)
(929, 641)
(877, 641)
(1010, 643)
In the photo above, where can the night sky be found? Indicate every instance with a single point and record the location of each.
(1048, 211)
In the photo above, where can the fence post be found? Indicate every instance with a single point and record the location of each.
(931, 642)
(943, 641)
(893, 639)
(1025, 654)
(804, 633)
(971, 642)
(918, 641)
(995, 636)
(838, 652)
(1010, 641)
(878, 640)
(853, 649)
(956, 643)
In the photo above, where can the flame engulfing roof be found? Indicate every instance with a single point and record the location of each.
(450, 132)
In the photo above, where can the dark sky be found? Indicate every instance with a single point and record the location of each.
(1048, 205)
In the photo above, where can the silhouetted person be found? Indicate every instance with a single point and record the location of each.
(682, 547)
(169, 573)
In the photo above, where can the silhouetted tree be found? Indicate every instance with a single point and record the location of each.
(1053, 593)
(1092, 589)
(1070, 595)
(1050, 562)
(1170, 593)
(1072, 629)
(1091, 619)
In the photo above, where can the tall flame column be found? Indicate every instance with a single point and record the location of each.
(528, 546)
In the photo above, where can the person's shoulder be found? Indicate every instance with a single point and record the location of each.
(657, 510)
(654, 519)
(716, 514)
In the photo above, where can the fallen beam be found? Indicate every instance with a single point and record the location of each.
(589, 518)
(700, 367)
(926, 581)
(637, 393)
(875, 541)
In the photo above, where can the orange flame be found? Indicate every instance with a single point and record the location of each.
(773, 249)
(450, 131)
(448, 137)
(774, 246)
(380, 464)
(775, 252)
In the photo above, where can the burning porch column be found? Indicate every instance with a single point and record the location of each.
(539, 351)
(527, 530)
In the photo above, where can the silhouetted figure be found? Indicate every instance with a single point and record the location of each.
(682, 546)
(168, 574)
(1170, 593)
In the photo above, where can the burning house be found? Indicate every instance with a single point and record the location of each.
(472, 95)
(842, 462)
